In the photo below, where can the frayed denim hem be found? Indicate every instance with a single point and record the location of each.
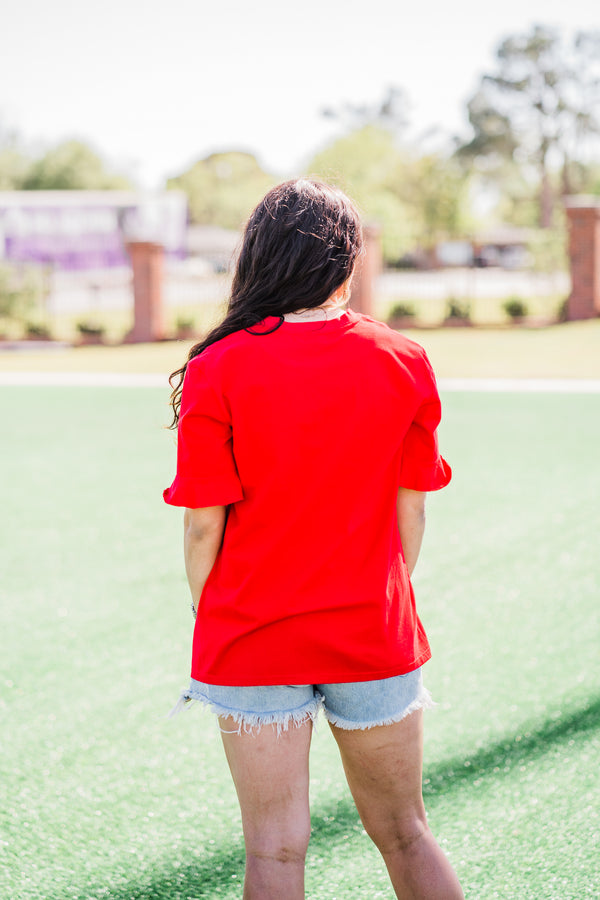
(423, 701)
(250, 721)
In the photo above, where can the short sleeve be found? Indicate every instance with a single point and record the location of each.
(206, 469)
(423, 468)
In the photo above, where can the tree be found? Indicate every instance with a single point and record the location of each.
(72, 165)
(389, 113)
(539, 108)
(14, 162)
(493, 137)
(436, 190)
(417, 198)
(585, 88)
(223, 188)
(13, 168)
(517, 195)
(367, 164)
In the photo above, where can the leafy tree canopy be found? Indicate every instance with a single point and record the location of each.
(14, 162)
(223, 188)
(540, 107)
(13, 168)
(389, 113)
(72, 165)
(417, 199)
(437, 190)
(365, 164)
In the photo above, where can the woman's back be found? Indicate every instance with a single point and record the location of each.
(309, 430)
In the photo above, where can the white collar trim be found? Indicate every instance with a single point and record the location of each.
(318, 314)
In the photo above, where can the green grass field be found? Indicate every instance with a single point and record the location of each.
(103, 797)
(571, 350)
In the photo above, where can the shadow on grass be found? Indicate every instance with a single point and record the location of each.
(498, 759)
(221, 872)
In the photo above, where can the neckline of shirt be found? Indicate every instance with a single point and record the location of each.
(318, 314)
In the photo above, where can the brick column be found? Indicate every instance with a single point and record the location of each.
(147, 263)
(583, 215)
(368, 268)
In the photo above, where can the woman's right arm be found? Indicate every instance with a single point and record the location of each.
(411, 523)
(202, 536)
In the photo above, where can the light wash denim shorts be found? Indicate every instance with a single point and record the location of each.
(350, 705)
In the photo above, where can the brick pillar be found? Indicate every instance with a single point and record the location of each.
(147, 263)
(583, 215)
(368, 268)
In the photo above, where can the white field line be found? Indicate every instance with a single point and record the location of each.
(152, 379)
(527, 385)
(84, 379)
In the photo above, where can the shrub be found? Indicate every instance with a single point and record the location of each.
(90, 329)
(457, 310)
(184, 323)
(37, 331)
(20, 290)
(515, 307)
(548, 248)
(562, 313)
(402, 311)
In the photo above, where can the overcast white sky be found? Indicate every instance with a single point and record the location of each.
(155, 86)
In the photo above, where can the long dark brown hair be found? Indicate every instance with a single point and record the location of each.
(299, 246)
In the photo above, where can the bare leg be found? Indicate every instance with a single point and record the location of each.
(383, 766)
(270, 774)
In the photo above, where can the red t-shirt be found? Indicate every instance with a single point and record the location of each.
(306, 434)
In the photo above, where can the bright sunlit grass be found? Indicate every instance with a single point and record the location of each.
(105, 798)
(561, 351)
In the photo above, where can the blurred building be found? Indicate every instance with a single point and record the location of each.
(79, 230)
(214, 245)
(506, 246)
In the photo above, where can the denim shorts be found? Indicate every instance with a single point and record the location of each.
(350, 705)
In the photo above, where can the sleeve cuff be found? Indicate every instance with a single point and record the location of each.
(195, 493)
(417, 477)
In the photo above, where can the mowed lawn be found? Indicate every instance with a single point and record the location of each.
(570, 350)
(103, 797)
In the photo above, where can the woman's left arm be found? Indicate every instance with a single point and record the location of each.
(410, 507)
(203, 534)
